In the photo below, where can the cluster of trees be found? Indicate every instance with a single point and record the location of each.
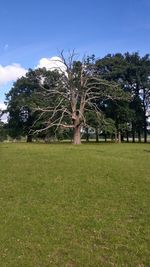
(110, 95)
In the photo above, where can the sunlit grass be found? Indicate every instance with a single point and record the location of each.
(64, 205)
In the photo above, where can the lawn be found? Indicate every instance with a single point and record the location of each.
(74, 206)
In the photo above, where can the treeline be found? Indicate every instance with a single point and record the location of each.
(107, 97)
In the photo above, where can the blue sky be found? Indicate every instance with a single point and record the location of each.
(33, 29)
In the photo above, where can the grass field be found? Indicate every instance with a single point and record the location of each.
(71, 206)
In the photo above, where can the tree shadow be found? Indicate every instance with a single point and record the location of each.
(145, 150)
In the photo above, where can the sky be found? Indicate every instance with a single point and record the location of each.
(33, 31)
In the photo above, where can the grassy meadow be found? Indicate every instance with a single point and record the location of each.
(74, 206)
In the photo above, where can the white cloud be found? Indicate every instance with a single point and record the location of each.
(4, 117)
(14, 71)
(2, 106)
(53, 63)
(11, 73)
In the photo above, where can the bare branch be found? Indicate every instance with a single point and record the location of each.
(74, 93)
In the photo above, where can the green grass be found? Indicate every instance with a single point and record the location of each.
(71, 206)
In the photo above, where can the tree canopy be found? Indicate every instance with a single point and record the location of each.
(77, 97)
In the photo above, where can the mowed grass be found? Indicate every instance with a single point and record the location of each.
(71, 206)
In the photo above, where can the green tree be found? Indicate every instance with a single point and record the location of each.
(132, 72)
(21, 100)
(94, 120)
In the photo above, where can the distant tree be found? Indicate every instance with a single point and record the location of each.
(21, 100)
(121, 114)
(132, 73)
(109, 128)
(138, 82)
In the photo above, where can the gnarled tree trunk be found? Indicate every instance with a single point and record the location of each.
(77, 135)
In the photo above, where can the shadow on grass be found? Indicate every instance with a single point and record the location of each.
(147, 151)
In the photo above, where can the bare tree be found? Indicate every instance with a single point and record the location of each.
(78, 89)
